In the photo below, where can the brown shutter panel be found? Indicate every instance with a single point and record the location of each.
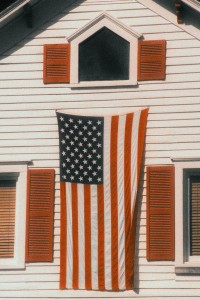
(151, 60)
(56, 67)
(40, 202)
(160, 213)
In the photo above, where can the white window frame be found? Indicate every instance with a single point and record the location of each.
(17, 170)
(103, 20)
(184, 263)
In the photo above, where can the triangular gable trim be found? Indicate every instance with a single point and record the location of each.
(98, 19)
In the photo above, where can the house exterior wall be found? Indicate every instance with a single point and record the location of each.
(28, 131)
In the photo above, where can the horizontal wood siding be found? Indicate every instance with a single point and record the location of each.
(28, 130)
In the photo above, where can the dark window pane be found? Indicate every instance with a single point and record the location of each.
(104, 56)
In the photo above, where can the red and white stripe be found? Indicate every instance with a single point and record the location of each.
(97, 234)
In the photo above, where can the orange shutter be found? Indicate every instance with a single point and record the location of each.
(160, 213)
(40, 202)
(151, 60)
(56, 68)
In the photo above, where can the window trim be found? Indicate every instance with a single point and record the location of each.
(103, 20)
(187, 198)
(183, 265)
(18, 169)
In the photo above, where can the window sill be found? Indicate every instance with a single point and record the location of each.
(189, 269)
(115, 83)
(11, 264)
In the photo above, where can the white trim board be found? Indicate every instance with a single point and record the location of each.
(171, 17)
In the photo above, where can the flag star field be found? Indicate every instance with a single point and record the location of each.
(81, 149)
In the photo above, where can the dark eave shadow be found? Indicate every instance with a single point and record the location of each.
(42, 12)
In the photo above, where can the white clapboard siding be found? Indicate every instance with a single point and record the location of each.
(28, 131)
(151, 86)
(103, 99)
(156, 109)
(125, 14)
(148, 94)
(171, 139)
(174, 116)
(35, 77)
(192, 43)
(171, 36)
(175, 146)
(131, 21)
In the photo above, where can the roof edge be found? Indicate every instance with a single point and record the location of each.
(171, 17)
(193, 3)
(12, 9)
(16, 29)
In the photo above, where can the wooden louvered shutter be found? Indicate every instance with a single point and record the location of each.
(56, 67)
(151, 60)
(40, 202)
(7, 218)
(160, 213)
(195, 215)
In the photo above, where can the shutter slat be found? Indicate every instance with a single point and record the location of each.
(56, 66)
(160, 213)
(40, 202)
(151, 60)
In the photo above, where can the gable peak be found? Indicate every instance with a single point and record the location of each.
(103, 20)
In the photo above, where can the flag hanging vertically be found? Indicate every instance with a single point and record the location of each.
(100, 160)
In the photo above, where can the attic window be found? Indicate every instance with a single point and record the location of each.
(103, 53)
(104, 56)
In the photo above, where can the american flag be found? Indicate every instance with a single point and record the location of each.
(100, 160)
